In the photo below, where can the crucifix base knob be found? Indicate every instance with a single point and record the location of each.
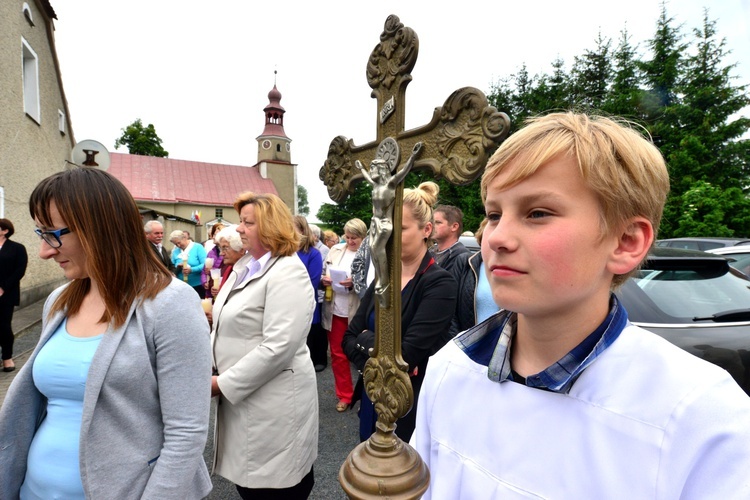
(384, 467)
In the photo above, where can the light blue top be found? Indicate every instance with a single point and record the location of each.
(196, 260)
(60, 372)
(486, 306)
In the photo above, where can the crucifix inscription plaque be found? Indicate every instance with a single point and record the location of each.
(454, 145)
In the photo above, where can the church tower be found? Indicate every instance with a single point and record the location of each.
(274, 151)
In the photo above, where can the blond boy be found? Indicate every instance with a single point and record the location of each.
(559, 396)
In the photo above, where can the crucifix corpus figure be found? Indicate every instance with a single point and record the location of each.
(384, 184)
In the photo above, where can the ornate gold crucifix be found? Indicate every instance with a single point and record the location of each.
(454, 145)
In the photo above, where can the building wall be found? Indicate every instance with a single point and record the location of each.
(284, 177)
(185, 211)
(29, 151)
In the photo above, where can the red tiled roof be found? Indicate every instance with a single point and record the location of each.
(167, 180)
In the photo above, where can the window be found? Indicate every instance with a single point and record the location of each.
(61, 121)
(27, 14)
(30, 82)
(2, 202)
(219, 213)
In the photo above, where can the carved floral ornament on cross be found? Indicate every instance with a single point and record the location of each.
(459, 138)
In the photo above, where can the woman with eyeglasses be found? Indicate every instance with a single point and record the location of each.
(13, 261)
(114, 400)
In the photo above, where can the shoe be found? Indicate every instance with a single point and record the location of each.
(320, 368)
(8, 368)
(342, 407)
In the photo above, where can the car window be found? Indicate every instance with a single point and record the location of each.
(740, 262)
(686, 244)
(689, 293)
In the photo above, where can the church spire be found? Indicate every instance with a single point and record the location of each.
(274, 113)
(273, 143)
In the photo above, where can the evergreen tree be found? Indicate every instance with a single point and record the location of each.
(591, 76)
(706, 114)
(625, 96)
(661, 76)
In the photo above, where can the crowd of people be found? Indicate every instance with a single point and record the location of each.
(518, 354)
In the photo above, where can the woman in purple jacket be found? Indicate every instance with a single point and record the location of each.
(317, 341)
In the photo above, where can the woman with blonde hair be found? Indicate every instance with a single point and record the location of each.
(330, 238)
(266, 435)
(340, 306)
(428, 299)
(317, 341)
(113, 402)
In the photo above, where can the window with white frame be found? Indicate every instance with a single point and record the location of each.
(30, 82)
(2, 202)
(61, 121)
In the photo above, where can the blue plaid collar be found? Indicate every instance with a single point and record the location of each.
(488, 344)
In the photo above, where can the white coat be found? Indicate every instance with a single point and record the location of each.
(266, 433)
(333, 258)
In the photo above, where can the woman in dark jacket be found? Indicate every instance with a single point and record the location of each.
(428, 299)
(13, 261)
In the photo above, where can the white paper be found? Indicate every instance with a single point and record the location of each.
(338, 275)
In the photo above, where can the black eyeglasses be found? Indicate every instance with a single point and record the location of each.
(52, 238)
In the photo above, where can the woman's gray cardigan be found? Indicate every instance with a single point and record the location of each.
(145, 408)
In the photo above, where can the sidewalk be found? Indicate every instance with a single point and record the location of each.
(23, 319)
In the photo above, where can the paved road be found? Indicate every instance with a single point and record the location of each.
(338, 431)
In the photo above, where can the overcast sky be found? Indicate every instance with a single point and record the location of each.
(201, 71)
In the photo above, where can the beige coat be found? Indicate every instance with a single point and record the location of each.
(333, 258)
(266, 432)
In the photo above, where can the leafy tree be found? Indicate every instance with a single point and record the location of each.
(705, 209)
(303, 207)
(358, 204)
(141, 140)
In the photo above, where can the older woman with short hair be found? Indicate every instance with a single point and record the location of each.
(338, 311)
(266, 433)
(188, 258)
(230, 248)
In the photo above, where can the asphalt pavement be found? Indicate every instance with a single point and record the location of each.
(339, 432)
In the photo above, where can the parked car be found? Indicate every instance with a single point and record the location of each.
(704, 244)
(469, 242)
(738, 256)
(696, 301)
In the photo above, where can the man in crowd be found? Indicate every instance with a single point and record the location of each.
(155, 235)
(449, 224)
